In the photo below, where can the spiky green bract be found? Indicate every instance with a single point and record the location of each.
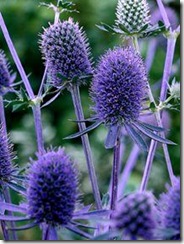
(119, 86)
(6, 167)
(66, 52)
(135, 216)
(5, 77)
(52, 188)
(169, 206)
(132, 14)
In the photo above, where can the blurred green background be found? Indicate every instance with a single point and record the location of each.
(25, 20)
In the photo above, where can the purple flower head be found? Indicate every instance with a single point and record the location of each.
(6, 167)
(5, 77)
(135, 215)
(132, 14)
(66, 52)
(52, 188)
(169, 206)
(119, 86)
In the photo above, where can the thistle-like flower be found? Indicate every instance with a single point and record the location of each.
(118, 90)
(135, 215)
(6, 167)
(5, 76)
(66, 52)
(133, 15)
(52, 188)
(169, 206)
(119, 86)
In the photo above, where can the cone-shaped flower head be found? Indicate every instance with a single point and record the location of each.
(169, 206)
(135, 215)
(52, 188)
(132, 14)
(5, 77)
(66, 52)
(119, 86)
(6, 167)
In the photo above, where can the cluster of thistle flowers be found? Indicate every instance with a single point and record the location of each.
(119, 88)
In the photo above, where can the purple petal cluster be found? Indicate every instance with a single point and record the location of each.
(5, 77)
(169, 206)
(52, 188)
(135, 215)
(6, 167)
(66, 52)
(119, 86)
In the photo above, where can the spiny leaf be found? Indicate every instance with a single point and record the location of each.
(137, 138)
(152, 135)
(112, 137)
(151, 127)
(81, 133)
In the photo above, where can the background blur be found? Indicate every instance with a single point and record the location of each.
(25, 20)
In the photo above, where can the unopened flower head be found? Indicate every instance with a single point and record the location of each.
(119, 86)
(5, 77)
(169, 206)
(6, 167)
(66, 52)
(135, 215)
(52, 188)
(132, 14)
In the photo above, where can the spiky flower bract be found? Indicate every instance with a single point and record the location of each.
(6, 167)
(135, 216)
(5, 77)
(169, 206)
(132, 14)
(66, 52)
(52, 188)
(119, 86)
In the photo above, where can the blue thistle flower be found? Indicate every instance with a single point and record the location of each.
(133, 15)
(52, 188)
(169, 207)
(5, 76)
(119, 86)
(118, 90)
(135, 215)
(66, 52)
(6, 167)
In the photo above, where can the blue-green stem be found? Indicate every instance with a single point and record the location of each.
(36, 108)
(153, 145)
(115, 173)
(74, 89)
(38, 127)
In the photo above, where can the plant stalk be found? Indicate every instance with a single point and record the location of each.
(130, 164)
(16, 58)
(38, 127)
(163, 92)
(115, 173)
(85, 142)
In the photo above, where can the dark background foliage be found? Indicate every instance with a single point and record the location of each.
(25, 20)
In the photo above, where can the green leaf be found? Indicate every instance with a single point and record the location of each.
(152, 107)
